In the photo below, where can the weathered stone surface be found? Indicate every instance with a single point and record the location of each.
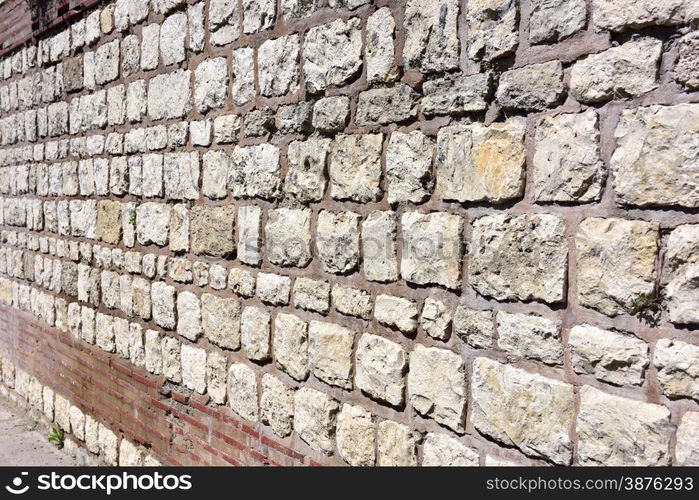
(169, 95)
(330, 353)
(294, 118)
(620, 15)
(381, 367)
(255, 333)
(617, 358)
(431, 249)
(255, 172)
(386, 105)
(193, 368)
(224, 22)
(479, 163)
(210, 84)
(221, 320)
(616, 262)
(355, 167)
(243, 85)
(653, 161)
(687, 447)
(291, 345)
(331, 114)
(522, 409)
(396, 312)
(687, 66)
(356, 436)
(337, 241)
(258, 123)
(173, 31)
(163, 304)
(216, 377)
(108, 221)
(437, 386)
(431, 40)
(682, 271)
(107, 62)
(555, 20)
(352, 302)
(380, 50)
(409, 167)
(211, 230)
(435, 319)
(456, 94)
(152, 223)
(249, 220)
(312, 295)
(314, 419)
(305, 178)
(242, 391)
(443, 451)
(678, 368)
(277, 405)
(189, 316)
(380, 261)
(617, 431)
(523, 257)
(288, 237)
(396, 445)
(278, 62)
(332, 54)
(567, 163)
(492, 28)
(628, 70)
(273, 288)
(530, 336)
(533, 88)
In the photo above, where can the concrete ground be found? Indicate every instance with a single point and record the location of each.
(23, 443)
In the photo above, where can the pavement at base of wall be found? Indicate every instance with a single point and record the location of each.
(23, 443)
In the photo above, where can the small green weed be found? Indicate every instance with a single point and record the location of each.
(56, 437)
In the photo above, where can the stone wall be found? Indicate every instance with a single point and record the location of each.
(352, 232)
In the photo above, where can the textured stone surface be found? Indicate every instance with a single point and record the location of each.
(492, 28)
(396, 312)
(533, 267)
(621, 432)
(355, 168)
(277, 405)
(278, 66)
(616, 263)
(443, 451)
(682, 269)
(431, 249)
(189, 316)
(653, 163)
(314, 419)
(254, 172)
(678, 368)
(474, 327)
(431, 41)
(529, 336)
(194, 368)
(210, 83)
(221, 320)
(352, 301)
(687, 450)
(379, 246)
(620, 15)
(381, 367)
(355, 436)
(615, 357)
(288, 237)
(337, 243)
(242, 391)
(255, 333)
(409, 167)
(435, 319)
(437, 386)
(478, 163)
(567, 163)
(456, 94)
(211, 230)
(522, 409)
(687, 66)
(628, 70)
(291, 345)
(332, 54)
(380, 49)
(534, 87)
(555, 20)
(330, 353)
(386, 105)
